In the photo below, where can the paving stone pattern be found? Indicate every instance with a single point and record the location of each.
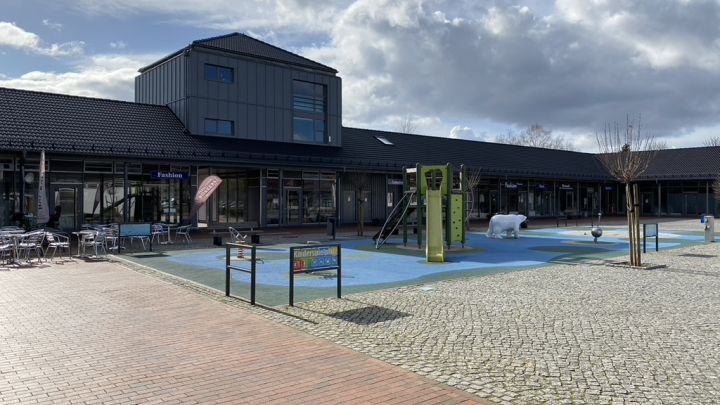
(92, 333)
(584, 333)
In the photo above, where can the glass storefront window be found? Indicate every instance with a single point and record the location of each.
(8, 197)
(272, 201)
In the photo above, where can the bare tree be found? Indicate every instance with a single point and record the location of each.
(661, 145)
(473, 179)
(407, 125)
(626, 153)
(712, 141)
(360, 183)
(535, 136)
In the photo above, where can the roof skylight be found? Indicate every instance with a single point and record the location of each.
(384, 140)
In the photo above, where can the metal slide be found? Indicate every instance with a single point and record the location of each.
(434, 248)
(402, 208)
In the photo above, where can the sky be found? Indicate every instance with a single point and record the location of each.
(469, 69)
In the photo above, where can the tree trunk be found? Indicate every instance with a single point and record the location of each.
(633, 216)
(638, 252)
(628, 211)
(361, 222)
(630, 204)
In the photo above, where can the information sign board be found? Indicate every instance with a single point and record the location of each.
(308, 259)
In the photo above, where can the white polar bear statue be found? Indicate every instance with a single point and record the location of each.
(505, 223)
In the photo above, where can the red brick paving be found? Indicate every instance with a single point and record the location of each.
(100, 333)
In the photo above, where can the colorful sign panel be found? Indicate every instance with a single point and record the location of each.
(307, 259)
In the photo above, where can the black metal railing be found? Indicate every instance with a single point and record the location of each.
(252, 259)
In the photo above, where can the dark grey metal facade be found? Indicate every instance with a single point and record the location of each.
(259, 101)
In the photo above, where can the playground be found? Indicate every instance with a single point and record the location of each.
(366, 268)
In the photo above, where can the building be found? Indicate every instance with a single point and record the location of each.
(268, 122)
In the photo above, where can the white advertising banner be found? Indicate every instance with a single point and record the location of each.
(43, 211)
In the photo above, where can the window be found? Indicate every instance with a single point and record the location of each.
(309, 106)
(219, 127)
(219, 73)
(308, 130)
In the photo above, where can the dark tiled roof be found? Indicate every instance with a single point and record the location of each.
(33, 121)
(490, 158)
(687, 163)
(242, 44)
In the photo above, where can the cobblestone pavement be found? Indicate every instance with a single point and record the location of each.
(569, 333)
(92, 333)
(583, 333)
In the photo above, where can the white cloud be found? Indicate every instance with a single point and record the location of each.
(52, 25)
(118, 45)
(459, 132)
(288, 15)
(571, 69)
(15, 37)
(570, 65)
(103, 76)
(663, 35)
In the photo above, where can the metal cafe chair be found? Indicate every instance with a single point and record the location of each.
(158, 231)
(185, 232)
(7, 249)
(94, 240)
(29, 243)
(57, 241)
(111, 233)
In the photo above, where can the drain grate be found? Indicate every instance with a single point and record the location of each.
(701, 256)
(369, 315)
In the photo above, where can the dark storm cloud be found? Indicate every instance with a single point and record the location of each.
(584, 64)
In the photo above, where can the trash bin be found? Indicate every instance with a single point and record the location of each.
(331, 227)
(709, 222)
(217, 240)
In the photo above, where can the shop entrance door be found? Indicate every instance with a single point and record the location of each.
(293, 209)
(348, 207)
(66, 197)
(493, 206)
(647, 203)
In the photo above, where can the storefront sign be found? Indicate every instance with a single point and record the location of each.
(394, 182)
(608, 188)
(566, 187)
(511, 185)
(540, 186)
(158, 175)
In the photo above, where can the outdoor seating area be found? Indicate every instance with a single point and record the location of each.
(21, 248)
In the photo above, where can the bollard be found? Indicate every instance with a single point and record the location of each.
(709, 222)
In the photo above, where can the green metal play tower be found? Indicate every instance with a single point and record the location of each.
(436, 194)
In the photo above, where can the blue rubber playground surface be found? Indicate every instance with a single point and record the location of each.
(365, 268)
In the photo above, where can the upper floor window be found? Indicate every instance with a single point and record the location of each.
(219, 73)
(219, 127)
(308, 97)
(309, 111)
